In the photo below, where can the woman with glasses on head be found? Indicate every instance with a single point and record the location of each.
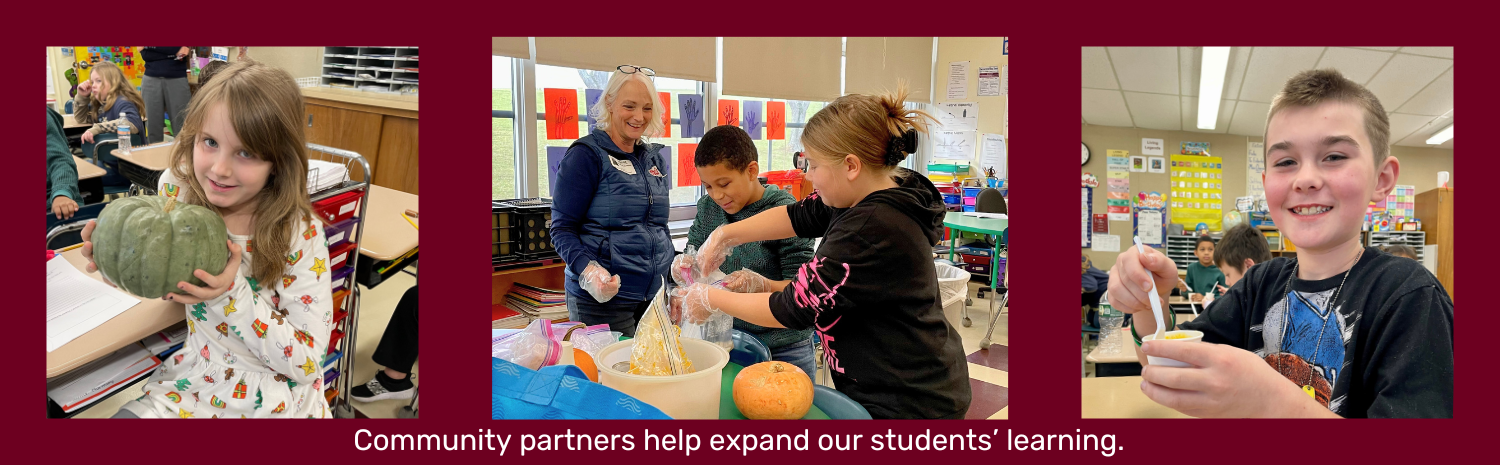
(609, 211)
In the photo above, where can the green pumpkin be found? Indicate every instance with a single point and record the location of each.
(147, 244)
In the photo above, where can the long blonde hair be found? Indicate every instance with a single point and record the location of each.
(863, 126)
(265, 108)
(118, 87)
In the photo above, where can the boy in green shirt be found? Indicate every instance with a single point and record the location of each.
(1203, 277)
(726, 164)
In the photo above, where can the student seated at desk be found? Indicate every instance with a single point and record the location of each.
(1342, 330)
(255, 326)
(108, 101)
(1202, 276)
(1095, 282)
(1241, 248)
(62, 172)
(396, 353)
(870, 290)
(726, 163)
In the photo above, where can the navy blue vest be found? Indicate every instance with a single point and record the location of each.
(626, 224)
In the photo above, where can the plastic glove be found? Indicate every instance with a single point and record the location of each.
(682, 267)
(691, 302)
(715, 250)
(747, 282)
(598, 282)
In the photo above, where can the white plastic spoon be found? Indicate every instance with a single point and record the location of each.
(1161, 321)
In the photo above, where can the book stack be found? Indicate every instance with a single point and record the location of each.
(504, 318)
(538, 303)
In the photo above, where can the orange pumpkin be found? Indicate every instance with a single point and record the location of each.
(773, 391)
(586, 363)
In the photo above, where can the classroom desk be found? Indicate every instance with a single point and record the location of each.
(1121, 397)
(69, 122)
(152, 157)
(391, 236)
(144, 319)
(956, 221)
(87, 170)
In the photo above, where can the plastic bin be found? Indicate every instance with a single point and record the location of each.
(791, 181)
(972, 191)
(532, 218)
(501, 215)
(339, 233)
(339, 277)
(338, 300)
(337, 208)
(970, 201)
(968, 208)
(505, 249)
(338, 257)
(691, 396)
(952, 198)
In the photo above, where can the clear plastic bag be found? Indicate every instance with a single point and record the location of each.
(686, 272)
(657, 350)
(533, 347)
(592, 339)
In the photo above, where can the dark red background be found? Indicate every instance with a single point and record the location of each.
(1044, 393)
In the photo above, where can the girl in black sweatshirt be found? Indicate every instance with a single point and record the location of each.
(870, 290)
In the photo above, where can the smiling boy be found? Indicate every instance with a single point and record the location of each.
(1341, 330)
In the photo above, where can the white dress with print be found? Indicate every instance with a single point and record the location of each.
(257, 351)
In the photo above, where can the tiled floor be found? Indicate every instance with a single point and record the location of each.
(989, 377)
(374, 313)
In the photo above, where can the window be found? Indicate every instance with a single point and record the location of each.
(776, 155)
(502, 131)
(553, 77)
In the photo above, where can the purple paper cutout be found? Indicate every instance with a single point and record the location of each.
(666, 164)
(592, 97)
(690, 113)
(753, 118)
(554, 160)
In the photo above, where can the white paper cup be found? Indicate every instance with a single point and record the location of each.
(1192, 336)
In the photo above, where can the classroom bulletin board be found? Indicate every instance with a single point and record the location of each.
(127, 58)
(1197, 191)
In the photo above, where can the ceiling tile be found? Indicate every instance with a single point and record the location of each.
(1404, 76)
(1146, 69)
(1355, 64)
(1190, 116)
(1270, 67)
(1190, 69)
(1439, 52)
(1384, 49)
(1419, 137)
(1239, 62)
(1097, 73)
(1155, 111)
(1249, 118)
(1105, 108)
(1435, 100)
(1403, 125)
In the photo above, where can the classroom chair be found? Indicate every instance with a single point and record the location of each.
(748, 350)
(64, 233)
(410, 411)
(99, 154)
(837, 405)
(989, 200)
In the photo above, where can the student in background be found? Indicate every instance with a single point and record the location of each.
(1095, 282)
(609, 212)
(1340, 331)
(1241, 248)
(108, 101)
(1403, 251)
(165, 87)
(254, 327)
(870, 290)
(396, 353)
(726, 162)
(1202, 276)
(63, 197)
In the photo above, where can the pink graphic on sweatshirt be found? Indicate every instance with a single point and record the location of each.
(810, 291)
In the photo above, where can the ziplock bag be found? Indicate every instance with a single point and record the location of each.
(533, 347)
(657, 350)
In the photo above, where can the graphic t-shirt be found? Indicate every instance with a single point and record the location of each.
(1383, 349)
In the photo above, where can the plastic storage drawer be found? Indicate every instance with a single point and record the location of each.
(338, 208)
(339, 233)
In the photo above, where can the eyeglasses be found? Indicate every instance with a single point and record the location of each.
(632, 69)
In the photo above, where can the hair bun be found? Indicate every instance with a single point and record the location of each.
(899, 146)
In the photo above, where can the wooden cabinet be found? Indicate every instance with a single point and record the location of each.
(1435, 209)
(383, 129)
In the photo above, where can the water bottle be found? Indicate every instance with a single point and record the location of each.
(124, 133)
(1110, 321)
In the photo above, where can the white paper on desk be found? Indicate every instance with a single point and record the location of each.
(1106, 243)
(1000, 216)
(76, 303)
(87, 384)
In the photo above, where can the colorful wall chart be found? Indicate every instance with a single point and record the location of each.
(1088, 215)
(127, 58)
(1118, 194)
(1197, 191)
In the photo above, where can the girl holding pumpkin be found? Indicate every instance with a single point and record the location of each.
(258, 328)
(869, 291)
